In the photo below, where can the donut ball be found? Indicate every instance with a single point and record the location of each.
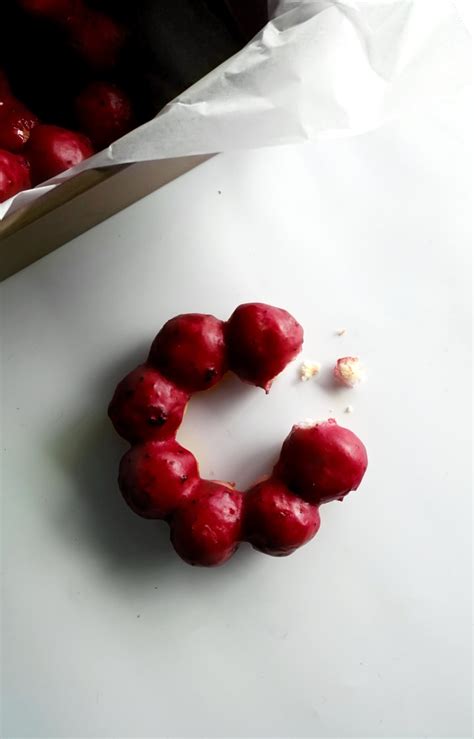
(261, 341)
(322, 461)
(190, 350)
(156, 477)
(206, 530)
(147, 406)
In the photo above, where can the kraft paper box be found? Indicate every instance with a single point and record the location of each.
(318, 69)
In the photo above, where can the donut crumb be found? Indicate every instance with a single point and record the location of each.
(349, 371)
(309, 369)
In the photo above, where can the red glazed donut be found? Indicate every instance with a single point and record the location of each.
(52, 149)
(160, 479)
(14, 174)
(104, 112)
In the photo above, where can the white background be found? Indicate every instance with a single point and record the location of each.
(366, 631)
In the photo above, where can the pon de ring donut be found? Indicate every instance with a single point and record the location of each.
(159, 479)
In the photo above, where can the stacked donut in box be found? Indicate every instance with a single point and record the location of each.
(33, 147)
(76, 75)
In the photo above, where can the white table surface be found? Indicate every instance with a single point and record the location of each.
(366, 631)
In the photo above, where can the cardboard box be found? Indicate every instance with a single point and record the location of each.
(170, 47)
(77, 205)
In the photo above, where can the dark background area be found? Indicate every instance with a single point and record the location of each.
(169, 46)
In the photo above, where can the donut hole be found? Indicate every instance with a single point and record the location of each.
(227, 429)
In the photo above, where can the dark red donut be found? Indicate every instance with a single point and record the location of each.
(16, 123)
(14, 174)
(52, 149)
(104, 112)
(158, 478)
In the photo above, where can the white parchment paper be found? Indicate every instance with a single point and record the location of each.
(318, 68)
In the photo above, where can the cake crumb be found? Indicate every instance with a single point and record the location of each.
(348, 409)
(341, 331)
(307, 423)
(349, 371)
(310, 423)
(309, 369)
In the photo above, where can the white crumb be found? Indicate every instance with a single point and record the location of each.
(306, 423)
(348, 409)
(309, 423)
(341, 331)
(309, 369)
(349, 371)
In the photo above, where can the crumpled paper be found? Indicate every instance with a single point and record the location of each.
(319, 68)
